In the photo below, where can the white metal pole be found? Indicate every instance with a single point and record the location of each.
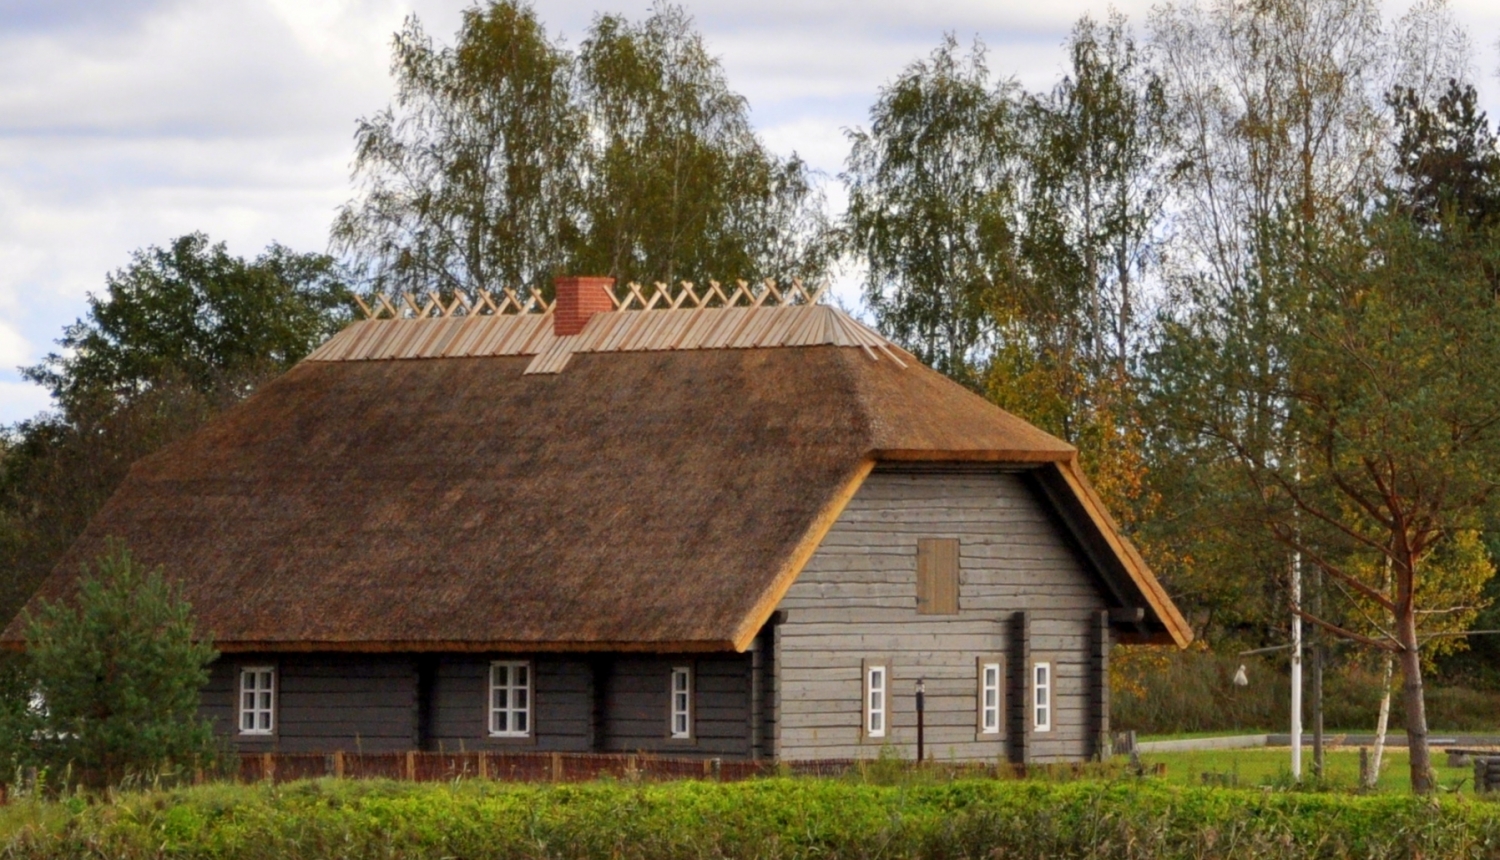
(1297, 667)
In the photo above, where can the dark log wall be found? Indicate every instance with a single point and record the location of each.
(560, 714)
(324, 702)
(383, 702)
(637, 704)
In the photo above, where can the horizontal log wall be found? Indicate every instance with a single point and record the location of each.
(636, 706)
(560, 705)
(389, 702)
(856, 600)
(363, 702)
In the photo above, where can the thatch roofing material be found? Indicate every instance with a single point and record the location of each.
(652, 500)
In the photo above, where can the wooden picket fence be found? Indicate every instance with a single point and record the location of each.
(583, 767)
(512, 767)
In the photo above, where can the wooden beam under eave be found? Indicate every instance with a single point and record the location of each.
(1161, 604)
(929, 455)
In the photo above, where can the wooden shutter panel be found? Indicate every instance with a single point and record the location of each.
(937, 576)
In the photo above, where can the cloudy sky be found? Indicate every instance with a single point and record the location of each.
(125, 123)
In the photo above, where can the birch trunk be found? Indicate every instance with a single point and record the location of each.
(1382, 723)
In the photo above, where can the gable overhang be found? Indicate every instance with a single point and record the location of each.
(1140, 608)
(1144, 613)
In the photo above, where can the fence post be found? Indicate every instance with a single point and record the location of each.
(717, 769)
(338, 765)
(411, 766)
(484, 765)
(268, 767)
(557, 767)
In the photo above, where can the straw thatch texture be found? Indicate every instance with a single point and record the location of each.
(637, 500)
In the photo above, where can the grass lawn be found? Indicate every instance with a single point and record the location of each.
(1272, 766)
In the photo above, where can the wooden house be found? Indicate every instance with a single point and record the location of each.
(692, 523)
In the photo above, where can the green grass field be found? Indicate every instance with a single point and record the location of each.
(1272, 766)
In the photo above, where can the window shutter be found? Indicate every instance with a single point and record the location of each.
(937, 576)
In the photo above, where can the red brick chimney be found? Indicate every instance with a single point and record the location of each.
(577, 300)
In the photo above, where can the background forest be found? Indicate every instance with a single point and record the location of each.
(1243, 256)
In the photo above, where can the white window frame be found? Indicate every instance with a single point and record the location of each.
(513, 692)
(877, 699)
(680, 704)
(990, 678)
(1041, 696)
(260, 707)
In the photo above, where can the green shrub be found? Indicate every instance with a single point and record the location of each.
(764, 819)
(120, 676)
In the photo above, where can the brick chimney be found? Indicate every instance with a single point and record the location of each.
(577, 300)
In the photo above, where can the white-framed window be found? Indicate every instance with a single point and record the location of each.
(510, 699)
(682, 702)
(1041, 696)
(876, 684)
(257, 700)
(989, 698)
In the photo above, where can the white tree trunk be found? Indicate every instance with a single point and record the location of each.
(1383, 722)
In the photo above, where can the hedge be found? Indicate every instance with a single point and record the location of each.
(772, 818)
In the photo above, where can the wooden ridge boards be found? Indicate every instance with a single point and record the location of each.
(632, 296)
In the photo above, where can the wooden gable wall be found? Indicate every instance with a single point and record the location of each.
(1025, 595)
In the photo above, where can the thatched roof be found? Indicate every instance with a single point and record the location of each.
(654, 500)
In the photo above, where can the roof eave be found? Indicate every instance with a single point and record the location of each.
(1085, 511)
(354, 646)
(977, 455)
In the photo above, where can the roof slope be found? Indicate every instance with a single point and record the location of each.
(650, 500)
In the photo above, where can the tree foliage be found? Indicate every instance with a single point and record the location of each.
(933, 208)
(1204, 260)
(1002, 234)
(193, 312)
(118, 673)
(508, 159)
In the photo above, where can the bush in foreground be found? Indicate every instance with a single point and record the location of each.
(118, 673)
(776, 818)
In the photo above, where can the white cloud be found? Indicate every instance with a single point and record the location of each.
(21, 400)
(125, 123)
(13, 347)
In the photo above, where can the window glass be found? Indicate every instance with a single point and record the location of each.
(682, 702)
(875, 702)
(989, 698)
(510, 699)
(257, 700)
(1041, 691)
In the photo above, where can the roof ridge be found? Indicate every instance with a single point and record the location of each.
(729, 326)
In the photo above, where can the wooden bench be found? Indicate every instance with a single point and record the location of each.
(1464, 756)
